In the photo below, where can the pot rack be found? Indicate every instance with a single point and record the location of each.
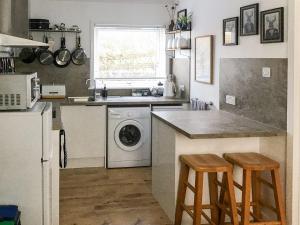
(55, 31)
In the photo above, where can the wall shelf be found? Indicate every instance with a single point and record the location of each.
(177, 31)
(177, 49)
(54, 31)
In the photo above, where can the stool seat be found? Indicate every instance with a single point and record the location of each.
(206, 163)
(251, 160)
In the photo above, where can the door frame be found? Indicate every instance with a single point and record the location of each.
(293, 120)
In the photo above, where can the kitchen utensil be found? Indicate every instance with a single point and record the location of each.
(78, 55)
(169, 44)
(28, 55)
(170, 87)
(174, 43)
(63, 154)
(45, 56)
(182, 43)
(62, 56)
(39, 24)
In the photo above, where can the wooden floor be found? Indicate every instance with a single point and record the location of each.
(97, 196)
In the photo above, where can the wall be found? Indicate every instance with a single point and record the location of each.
(84, 13)
(207, 19)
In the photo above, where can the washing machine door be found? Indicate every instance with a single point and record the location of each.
(129, 135)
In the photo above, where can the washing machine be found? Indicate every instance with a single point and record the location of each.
(129, 137)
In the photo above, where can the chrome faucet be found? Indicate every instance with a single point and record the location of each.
(95, 93)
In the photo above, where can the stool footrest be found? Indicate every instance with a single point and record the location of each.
(265, 182)
(191, 187)
(268, 206)
(188, 209)
(237, 185)
(266, 223)
(207, 218)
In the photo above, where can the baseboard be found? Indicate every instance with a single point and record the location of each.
(85, 162)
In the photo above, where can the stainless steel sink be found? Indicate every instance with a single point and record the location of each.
(80, 99)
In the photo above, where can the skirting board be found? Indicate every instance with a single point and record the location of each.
(85, 162)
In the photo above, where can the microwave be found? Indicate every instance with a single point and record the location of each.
(19, 91)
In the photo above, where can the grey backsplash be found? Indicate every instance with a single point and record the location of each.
(181, 69)
(258, 98)
(74, 77)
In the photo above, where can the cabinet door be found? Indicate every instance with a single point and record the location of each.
(85, 128)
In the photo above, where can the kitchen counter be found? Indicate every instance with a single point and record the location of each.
(126, 100)
(109, 101)
(215, 124)
(175, 133)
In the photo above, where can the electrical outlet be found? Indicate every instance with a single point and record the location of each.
(230, 99)
(266, 72)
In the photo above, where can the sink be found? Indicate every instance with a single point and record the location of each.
(79, 99)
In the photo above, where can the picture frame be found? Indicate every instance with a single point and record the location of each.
(231, 31)
(182, 12)
(249, 20)
(204, 59)
(272, 26)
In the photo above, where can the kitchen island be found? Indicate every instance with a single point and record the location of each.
(197, 132)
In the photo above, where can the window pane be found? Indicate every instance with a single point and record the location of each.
(129, 53)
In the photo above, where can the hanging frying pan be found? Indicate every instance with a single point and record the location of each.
(78, 55)
(45, 56)
(62, 56)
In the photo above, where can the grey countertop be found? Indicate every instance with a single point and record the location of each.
(127, 100)
(215, 124)
(109, 101)
(120, 100)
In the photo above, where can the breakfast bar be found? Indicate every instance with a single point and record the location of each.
(200, 132)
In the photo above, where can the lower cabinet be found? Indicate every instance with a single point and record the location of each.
(85, 128)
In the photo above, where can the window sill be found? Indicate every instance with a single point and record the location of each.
(122, 84)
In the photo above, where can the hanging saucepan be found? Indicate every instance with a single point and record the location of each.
(28, 55)
(62, 56)
(78, 55)
(45, 56)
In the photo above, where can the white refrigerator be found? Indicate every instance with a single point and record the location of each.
(27, 176)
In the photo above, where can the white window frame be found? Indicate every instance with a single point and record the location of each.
(122, 83)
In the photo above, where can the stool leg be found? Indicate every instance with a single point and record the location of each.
(246, 197)
(198, 198)
(213, 194)
(256, 195)
(278, 196)
(183, 178)
(223, 198)
(232, 201)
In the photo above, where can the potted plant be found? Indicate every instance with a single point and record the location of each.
(184, 22)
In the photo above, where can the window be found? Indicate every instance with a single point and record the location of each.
(129, 54)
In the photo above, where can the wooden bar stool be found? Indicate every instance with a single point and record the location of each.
(211, 164)
(253, 164)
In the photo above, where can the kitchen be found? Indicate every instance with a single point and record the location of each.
(119, 142)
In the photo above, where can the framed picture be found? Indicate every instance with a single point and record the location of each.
(204, 59)
(272, 25)
(231, 31)
(249, 20)
(181, 13)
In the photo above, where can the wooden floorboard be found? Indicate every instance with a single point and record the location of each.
(97, 196)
